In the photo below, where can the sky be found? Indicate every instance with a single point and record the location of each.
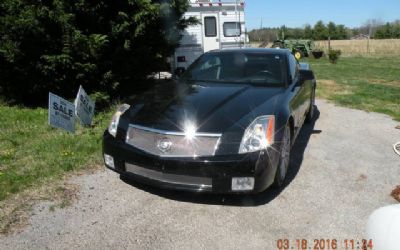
(296, 13)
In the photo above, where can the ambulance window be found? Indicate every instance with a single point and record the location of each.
(210, 26)
(232, 29)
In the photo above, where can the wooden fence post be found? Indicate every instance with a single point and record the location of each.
(329, 43)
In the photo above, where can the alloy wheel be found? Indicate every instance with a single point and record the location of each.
(285, 154)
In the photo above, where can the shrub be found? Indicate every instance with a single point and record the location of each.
(334, 55)
(105, 46)
(101, 99)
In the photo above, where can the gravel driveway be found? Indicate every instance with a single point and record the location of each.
(342, 168)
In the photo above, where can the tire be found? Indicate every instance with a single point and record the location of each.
(278, 45)
(317, 54)
(283, 165)
(298, 54)
(311, 109)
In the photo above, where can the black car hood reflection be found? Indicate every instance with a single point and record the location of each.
(211, 107)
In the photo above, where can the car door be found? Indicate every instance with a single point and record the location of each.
(308, 86)
(299, 98)
(210, 31)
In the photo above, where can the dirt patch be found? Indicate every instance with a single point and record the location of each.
(16, 210)
(362, 177)
(329, 83)
(384, 82)
(332, 85)
(327, 88)
(396, 193)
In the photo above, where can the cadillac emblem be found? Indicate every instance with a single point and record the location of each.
(164, 144)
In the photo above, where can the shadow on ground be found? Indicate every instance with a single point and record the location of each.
(296, 159)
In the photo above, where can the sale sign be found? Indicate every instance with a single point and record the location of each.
(84, 107)
(61, 113)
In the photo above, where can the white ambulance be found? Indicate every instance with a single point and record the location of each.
(221, 25)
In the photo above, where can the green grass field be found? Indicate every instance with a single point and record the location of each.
(32, 153)
(367, 83)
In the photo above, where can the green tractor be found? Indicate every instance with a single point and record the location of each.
(299, 48)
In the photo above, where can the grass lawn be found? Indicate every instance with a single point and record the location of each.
(32, 153)
(367, 83)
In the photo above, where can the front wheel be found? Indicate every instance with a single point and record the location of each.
(283, 164)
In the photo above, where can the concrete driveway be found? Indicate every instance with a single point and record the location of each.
(342, 168)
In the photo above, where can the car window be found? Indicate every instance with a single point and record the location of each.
(211, 62)
(210, 68)
(232, 29)
(294, 66)
(238, 67)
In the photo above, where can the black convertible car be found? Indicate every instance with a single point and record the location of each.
(226, 125)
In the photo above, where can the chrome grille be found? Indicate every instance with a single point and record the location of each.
(171, 144)
(194, 181)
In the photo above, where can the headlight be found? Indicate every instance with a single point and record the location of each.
(259, 135)
(112, 128)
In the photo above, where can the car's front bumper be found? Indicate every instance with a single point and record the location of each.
(201, 174)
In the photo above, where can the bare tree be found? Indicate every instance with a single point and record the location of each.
(370, 26)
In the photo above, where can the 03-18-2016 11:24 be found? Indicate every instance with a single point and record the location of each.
(324, 244)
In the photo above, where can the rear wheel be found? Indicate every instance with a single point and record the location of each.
(283, 165)
(298, 54)
(311, 109)
(278, 45)
(317, 54)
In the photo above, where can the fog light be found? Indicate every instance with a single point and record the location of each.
(242, 183)
(109, 160)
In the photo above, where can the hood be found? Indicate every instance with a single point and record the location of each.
(211, 107)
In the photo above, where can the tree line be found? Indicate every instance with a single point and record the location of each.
(389, 30)
(108, 47)
(320, 31)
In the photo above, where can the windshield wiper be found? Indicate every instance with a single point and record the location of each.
(206, 80)
(264, 83)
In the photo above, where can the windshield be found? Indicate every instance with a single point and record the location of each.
(238, 67)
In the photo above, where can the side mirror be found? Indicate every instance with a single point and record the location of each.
(178, 72)
(306, 75)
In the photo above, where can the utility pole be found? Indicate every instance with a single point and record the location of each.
(369, 37)
(260, 31)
